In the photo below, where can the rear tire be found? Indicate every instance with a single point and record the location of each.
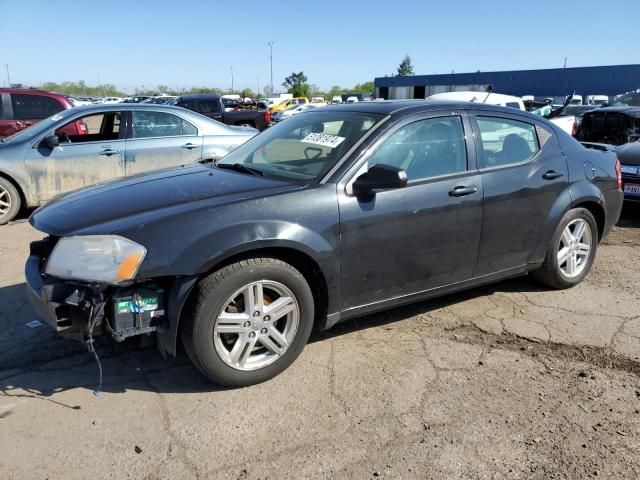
(231, 338)
(10, 201)
(571, 251)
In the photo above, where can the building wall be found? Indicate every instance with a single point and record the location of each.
(606, 80)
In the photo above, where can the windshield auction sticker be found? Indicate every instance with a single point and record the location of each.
(331, 141)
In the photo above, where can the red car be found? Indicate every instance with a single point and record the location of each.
(21, 108)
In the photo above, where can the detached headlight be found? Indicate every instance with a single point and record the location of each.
(96, 258)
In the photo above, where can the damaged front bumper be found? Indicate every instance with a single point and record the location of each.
(79, 311)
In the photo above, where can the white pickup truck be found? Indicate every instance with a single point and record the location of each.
(566, 123)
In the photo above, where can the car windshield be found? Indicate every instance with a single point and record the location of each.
(305, 147)
(627, 100)
(38, 128)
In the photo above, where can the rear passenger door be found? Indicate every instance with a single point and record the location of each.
(160, 140)
(523, 172)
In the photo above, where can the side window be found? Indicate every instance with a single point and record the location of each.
(208, 107)
(33, 107)
(189, 105)
(188, 129)
(426, 148)
(155, 124)
(97, 127)
(507, 141)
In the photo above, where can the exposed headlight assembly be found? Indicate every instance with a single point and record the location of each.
(96, 258)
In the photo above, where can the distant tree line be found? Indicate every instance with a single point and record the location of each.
(296, 83)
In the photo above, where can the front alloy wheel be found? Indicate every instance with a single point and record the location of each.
(10, 201)
(257, 325)
(250, 320)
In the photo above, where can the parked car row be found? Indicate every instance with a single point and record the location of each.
(211, 105)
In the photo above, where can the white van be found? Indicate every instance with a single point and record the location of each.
(481, 97)
(597, 100)
(576, 100)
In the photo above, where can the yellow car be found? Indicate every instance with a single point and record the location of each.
(287, 103)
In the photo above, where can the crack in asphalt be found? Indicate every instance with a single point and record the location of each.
(180, 448)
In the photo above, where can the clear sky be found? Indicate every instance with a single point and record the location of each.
(193, 43)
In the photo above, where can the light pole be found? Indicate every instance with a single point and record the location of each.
(271, 61)
(231, 67)
(6, 65)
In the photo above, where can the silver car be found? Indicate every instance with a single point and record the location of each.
(87, 145)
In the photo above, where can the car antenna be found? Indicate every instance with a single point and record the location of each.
(488, 89)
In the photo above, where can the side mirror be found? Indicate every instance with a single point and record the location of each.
(379, 177)
(52, 141)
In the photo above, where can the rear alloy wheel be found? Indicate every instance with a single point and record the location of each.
(572, 250)
(9, 201)
(250, 321)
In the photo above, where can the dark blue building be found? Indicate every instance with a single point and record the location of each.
(552, 82)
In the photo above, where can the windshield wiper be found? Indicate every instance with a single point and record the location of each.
(242, 168)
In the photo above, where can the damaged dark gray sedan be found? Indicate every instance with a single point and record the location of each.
(333, 214)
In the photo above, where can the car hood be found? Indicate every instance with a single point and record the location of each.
(119, 205)
(629, 154)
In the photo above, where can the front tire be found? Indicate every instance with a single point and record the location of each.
(10, 201)
(571, 252)
(249, 322)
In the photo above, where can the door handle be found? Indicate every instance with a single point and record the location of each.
(189, 146)
(108, 152)
(461, 191)
(552, 174)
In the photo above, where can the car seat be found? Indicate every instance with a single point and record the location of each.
(515, 149)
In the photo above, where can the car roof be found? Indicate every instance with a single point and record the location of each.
(101, 107)
(633, 111)
(203, 96)
(390, 107)
(33, 91)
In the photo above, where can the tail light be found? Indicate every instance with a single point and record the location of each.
(267, 116)
(618, 174)
(574, 129)
(82, 128)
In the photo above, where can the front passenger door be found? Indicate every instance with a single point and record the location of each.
(160, 140)
(91, 151)
(422, 236)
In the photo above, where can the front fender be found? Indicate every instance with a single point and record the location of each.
(215, 247)
(235, 240)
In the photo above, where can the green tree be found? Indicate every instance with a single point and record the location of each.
(334, 91)
(366, 87)
(296, 84)
(80, 89)
(405, 68)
